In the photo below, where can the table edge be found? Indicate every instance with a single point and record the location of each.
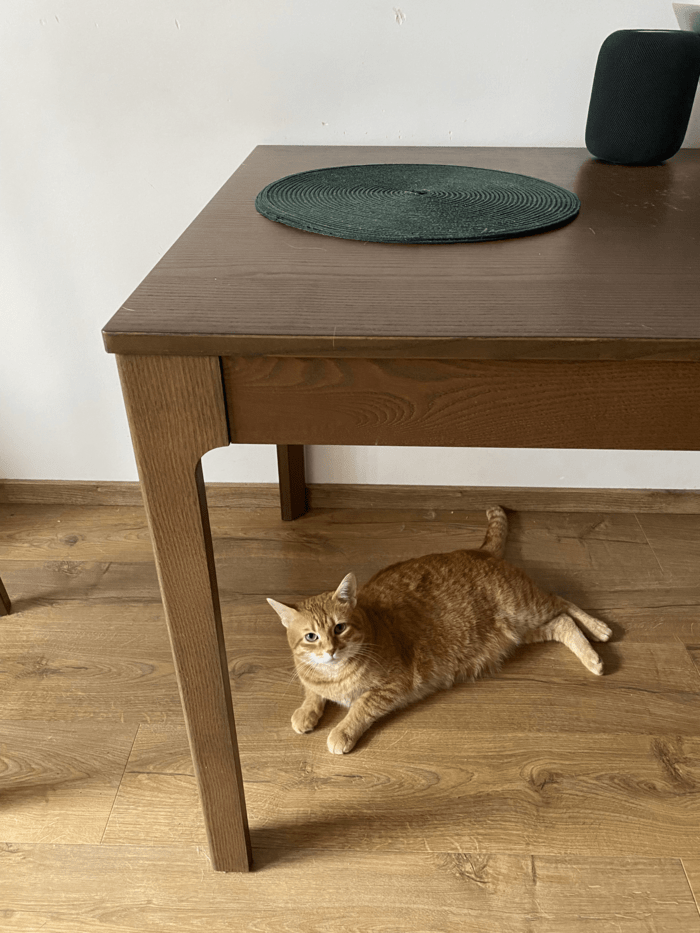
(493, 348)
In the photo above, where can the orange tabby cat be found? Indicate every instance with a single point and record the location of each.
(421, 626)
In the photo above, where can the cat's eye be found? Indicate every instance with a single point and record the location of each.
(340, 627)
(311, 636)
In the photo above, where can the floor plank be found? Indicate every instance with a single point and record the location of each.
(74, 661)
(58, 780)
(411, 789)
(132, 889)
(539, 799)
(676, 544)
(692, 871)
(565, 552)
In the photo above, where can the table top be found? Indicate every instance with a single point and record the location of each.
(621, 281)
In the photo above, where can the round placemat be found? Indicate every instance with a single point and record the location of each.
(408, 203)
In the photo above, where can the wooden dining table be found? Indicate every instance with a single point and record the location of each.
(248, 331)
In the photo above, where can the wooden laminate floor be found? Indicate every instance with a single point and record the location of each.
(541, 800)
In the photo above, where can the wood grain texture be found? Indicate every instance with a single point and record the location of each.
(676, 546)
(292, 479)
(106, 582)
(619, 282)
(367, 495)
(59, 780)
(475, 774)
(61, 664)
(628, 405)
(176, 414)
(578, 793)
(129, 888)
(519, 499)
(600, 560)
(692, 871)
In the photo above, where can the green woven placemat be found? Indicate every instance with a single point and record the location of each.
(408, 203)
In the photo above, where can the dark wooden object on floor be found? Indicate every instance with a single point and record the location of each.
(290, 463)
(585, 336)
(5, 605)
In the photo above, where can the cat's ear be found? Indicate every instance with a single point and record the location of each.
(347, 591)
(286, 613)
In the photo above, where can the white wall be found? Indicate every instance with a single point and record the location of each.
(119, 120)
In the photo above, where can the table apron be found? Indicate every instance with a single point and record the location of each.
(624, 405)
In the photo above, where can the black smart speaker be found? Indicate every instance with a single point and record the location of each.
(643, 91)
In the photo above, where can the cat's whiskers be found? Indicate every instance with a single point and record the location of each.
(295, 675)
(290, 681)
(367, 646)
(366, 652)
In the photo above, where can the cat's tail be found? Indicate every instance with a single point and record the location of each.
(495, 540)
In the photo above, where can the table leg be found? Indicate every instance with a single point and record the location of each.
(176, 413)
(290, 462)
(5, 605)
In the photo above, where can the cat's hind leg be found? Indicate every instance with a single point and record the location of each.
(596, 629)
(564, 629)
(496, 532)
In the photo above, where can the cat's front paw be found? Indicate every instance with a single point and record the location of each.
(340, 742)
(303, 720)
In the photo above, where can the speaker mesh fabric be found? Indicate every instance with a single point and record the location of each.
(642, 96)
(415, 203)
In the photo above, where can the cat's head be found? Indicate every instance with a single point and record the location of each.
(323, 630)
